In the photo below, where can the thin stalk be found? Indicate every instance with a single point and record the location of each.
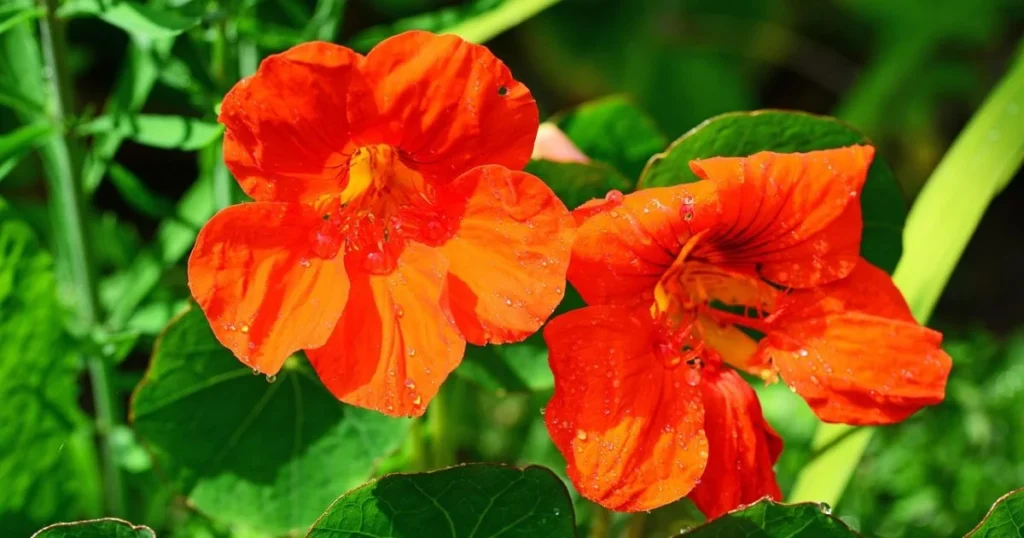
(65, 190)
(440, 425)
(487, 25)
(978, 166)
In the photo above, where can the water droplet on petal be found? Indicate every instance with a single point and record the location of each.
(614, 196)
(581, 435)
(255, 371)
(271, 378)
(410, 384)
(399, 311)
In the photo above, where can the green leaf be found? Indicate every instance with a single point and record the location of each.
(521, 367)
(166, 132)
(96, 528)
(16, 144)
(478, 500)
(268, 456)
(12, 16)
(575, 183)
(42, 431)
(615, 131)
(1004, 520)
(138, 195)
(767, 519)
(745, 133)
(143, 22)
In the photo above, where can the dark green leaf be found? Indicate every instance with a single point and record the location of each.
(11, 16)
(96, 528)
(767, 519)
(166, 132)
(142, 21)
(615, 131)
(575, 183)
(745, 133)
(268, 456)
(478, 501)
(1005, 520)
(42, 431)
(521, 367)
(138, 195)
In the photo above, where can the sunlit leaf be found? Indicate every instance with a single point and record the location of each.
(11, 16)
(140, 20)
(44, 463)
(96, 528)
(767, 519)
(478, 501)
(16, 144)
(745, 133)
(268, 456)
(166, 132)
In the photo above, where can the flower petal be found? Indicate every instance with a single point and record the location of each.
(796, 214)
(396, 341)
(630, 429)
(743, 447)
(622, 249)
(255, 274)
(447, 104)
(287, 135)
(509, 254)
(855, 353)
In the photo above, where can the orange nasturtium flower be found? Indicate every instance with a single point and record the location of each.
(391, 221)
(648, 405)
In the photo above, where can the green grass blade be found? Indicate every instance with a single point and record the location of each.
(487, 25)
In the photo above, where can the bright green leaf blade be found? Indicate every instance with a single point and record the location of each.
(615, 131)
(268, 456)
(767, 519)
(41, 428)
(144, 22)
(575, 183)
(15, 15)
(16, 144)
(521, 367)
(476, 21)
(165, 132)
(745, 133)
(96, 528)
(478, 501)
(1004, 520)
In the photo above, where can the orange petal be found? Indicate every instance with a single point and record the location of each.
(623, 248)
(287, 133)
(254, 273)
(743, 447)
(796, 214)
(630, 429)
(854, 352)
(449, 105)
(396, 341)
(508, 257)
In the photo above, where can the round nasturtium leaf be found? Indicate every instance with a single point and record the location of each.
(96, 528)
(740, 134)
(268, 456)
(469, 501)
(1006, 518)
(767, 519)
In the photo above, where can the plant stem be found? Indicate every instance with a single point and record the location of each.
(72, 229)
(978, 166)
(439, 425)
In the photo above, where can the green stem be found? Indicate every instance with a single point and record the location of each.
(65, 189)
(485, 26)
(440, 426)
(978, 166)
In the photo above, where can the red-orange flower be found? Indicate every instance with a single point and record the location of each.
(646, 407)
(391, 224)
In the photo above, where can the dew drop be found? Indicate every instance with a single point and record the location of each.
(399, 311)
(255, 371)
(614, 196)
(271, 378)
(417, 400)
(304, 262)
(245, 329)
(581, 435)
(557, 511)
(410, 384)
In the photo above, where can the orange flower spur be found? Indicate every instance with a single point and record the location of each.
(648, 404)
(391, 223)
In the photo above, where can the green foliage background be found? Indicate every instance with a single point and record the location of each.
(145, 79)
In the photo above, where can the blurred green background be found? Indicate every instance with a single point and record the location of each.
(909, 73)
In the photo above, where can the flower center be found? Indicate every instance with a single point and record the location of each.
(384, 203)
(693, 292)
